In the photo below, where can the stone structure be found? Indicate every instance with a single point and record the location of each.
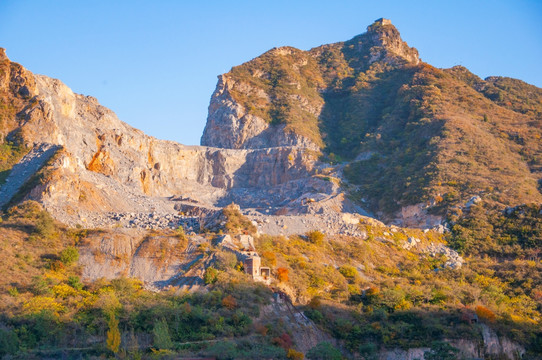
(253, 267)
(383, 21)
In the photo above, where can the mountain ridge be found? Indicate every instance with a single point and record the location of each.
(402, 139)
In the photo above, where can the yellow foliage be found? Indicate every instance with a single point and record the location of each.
(63, 291)
(403, 305)
(295, 355)
(39, 303)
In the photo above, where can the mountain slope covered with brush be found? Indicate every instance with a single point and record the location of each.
(407, 132)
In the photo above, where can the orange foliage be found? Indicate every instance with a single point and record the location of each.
(282, 274)
(485, 314)
(229, 302)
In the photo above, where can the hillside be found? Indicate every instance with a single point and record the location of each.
(389, 292)
(347, 202)
(407, 133)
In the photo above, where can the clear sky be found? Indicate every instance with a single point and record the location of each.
(155, 62)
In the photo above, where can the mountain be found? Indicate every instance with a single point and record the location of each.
(103, 166)
(414, 139)
(407, 142)
(394, 208)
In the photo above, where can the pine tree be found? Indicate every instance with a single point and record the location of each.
(162, 340)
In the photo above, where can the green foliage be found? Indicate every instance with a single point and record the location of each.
(441, 350)
(236, 222)
(210, 276)
(162, 339)
(69, 255)
(348, 271)
(324, 351)
(487, 230)
(75, 282)
(10, 154)
(225, 260)
(9, 342)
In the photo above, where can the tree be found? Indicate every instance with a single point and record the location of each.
(324, 351)
(441, 350)
(162, 340)
(210, 275)
(113, 334)
(282, 274)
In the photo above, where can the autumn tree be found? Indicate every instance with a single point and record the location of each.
(229, 302)
(282, 274)
(113, 334)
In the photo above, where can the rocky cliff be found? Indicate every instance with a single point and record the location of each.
(105, 166)
(406, 140)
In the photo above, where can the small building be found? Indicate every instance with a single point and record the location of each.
(253, 267)
(383, 21)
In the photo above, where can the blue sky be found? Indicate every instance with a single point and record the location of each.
(155, 62)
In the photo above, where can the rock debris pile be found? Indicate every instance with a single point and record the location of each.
(151, 220)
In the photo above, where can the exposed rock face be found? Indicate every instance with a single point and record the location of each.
(231, 126)
(106, 166)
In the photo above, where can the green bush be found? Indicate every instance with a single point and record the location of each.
(348, 271)
(324, 351)
(69, 255)
(162, 339)
(210, 276)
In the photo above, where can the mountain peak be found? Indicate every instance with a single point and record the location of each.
(381, 22)
(382, 42)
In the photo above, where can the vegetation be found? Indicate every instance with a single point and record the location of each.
(378, 295)
(237, 223)
(409, 133)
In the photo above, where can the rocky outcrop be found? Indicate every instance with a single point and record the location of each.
(108, 167)
(230, 125)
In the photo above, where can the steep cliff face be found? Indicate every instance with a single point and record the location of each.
(277, 98)
(107, 166)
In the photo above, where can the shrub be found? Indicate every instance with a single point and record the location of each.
(75, 282)
(485, 314)
(295, 355)
(69, 255)
(229, 302)
(13, 291)
(324, 351)
(284, 341)
(269, 258)
(225, 260)
(316, 237)
(210, 276)
(348, 271)
(162, 339)
(282, 274)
